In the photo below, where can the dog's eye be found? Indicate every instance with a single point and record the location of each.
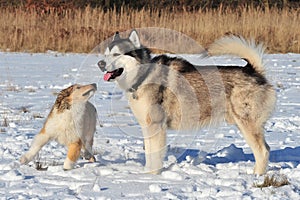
(116, 54)
(78, 87)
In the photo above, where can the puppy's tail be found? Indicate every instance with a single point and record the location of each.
(238, 46)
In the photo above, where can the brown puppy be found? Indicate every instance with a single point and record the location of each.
(71, 122)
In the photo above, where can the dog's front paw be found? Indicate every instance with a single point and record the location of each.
(24, 160)
(92, 159)
(154, 171)
(68, 164)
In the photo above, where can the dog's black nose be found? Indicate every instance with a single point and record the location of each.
(101, 65)
(94, 85)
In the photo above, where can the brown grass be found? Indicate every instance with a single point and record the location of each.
(81, 30)
(5, 122)
(273, 181)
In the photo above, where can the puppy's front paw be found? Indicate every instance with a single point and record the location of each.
(24, 160)
(92, 159)
(68, 164)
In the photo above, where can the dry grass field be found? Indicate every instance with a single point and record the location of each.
(80, 30)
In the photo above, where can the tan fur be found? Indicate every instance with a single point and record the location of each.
(238, 46)
(74, 150)
(71, 122)
(43, 131)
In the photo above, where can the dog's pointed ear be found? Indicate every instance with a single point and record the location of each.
(134, 38)
(116, 36)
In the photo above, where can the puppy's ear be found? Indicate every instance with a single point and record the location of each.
(116, 36)
(63, 100)
(134, 38)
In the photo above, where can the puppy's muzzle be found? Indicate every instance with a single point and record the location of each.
(102, 65)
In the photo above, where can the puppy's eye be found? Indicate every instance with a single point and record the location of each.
(78, 87)
(116, 54)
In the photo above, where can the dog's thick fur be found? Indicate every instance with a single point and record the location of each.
(170, 93)
(71, 122)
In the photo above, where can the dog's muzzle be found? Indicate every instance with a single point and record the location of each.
(102, 65)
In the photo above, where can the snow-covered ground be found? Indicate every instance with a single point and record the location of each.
(215, 163)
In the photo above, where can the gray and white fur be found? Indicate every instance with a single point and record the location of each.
(170, 93)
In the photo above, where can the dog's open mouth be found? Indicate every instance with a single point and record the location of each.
(113, 74)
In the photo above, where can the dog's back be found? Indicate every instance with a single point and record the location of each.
(206, 95)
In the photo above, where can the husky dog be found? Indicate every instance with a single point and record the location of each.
(170, 93)
(71, 122)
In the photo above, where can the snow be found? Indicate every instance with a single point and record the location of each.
(212, 163)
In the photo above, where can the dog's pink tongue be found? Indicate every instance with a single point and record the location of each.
(107, 76)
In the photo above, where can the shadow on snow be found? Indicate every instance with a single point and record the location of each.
(233, 154)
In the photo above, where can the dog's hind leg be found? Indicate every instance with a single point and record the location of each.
(88, 151)
(254, 136)
(73, 154)
(88, 132)
(38, 142)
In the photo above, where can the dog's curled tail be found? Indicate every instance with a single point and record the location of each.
(238, 46)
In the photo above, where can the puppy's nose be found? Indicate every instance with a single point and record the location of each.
(102, 65)
(94, 85)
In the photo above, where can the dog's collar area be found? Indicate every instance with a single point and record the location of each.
(110, 75)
